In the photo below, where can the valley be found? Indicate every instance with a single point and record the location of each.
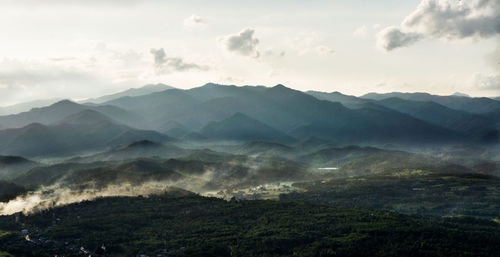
(251, 171)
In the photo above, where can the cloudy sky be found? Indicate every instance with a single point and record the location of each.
(81, 49)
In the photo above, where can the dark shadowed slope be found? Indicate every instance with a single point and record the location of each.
(11, 165)
(241, 127)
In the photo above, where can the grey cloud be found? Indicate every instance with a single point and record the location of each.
(243, 43)
(164, 64)
(392, 37)
(442, 19)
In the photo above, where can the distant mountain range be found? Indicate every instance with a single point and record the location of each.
(461, 103)
(145, 90)
(277, 114)
(87, 130)
(26, 106)
(62, 109)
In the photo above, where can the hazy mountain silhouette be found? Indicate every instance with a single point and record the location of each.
(145, 90)
(295, 113)
(62, 109)
(440, 115)
(84, 131)
(26, 106)
(462, 103)
(346, 100)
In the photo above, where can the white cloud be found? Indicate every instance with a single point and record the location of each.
(243, 43)
(310, 43)
(195, 21)
(324, 50)
(444, 20)
(360, 31)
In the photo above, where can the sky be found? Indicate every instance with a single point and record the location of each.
(83, 49)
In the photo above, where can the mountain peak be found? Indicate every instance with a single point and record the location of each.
(143, 143)
(158, 87)
(64, 102)
(211, 84)
(239, 115)
(280, 86)
(460, 94)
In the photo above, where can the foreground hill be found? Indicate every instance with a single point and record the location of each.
(139, 149)
(188, 225)
(10, 165)
(84, 131)
(439, 192)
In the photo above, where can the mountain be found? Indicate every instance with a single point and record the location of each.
(468, 104)
(312, 144)
(87, 130)
(438, 114)
(26, 106)
(355, 160)
(145, 90)
(295, 113)
(241, 127)
(156, 107)
(62, 109)
(346, 100)
(139, 149)
(98, 174)
(461, 94)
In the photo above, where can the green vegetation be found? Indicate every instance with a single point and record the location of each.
(191, 225)
(410, 191)
(6, 254)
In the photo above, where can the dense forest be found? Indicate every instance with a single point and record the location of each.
(183, 224)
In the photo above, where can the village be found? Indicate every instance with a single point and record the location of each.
(266, 191)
